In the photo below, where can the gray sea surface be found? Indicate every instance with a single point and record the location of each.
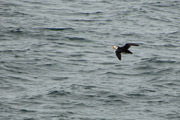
(57, 61)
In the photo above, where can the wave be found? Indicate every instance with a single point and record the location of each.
(59, 29)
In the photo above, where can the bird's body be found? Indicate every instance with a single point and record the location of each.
(123, 49)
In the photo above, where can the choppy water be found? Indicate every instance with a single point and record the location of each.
(57, 61)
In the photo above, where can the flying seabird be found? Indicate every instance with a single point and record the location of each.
(123, 49)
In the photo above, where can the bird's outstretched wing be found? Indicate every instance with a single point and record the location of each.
(118, 54)
(128, 45)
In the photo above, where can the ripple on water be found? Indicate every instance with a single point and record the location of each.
(58, 93)
(88, 13)
(78, 39)
(59, 29)
(60, 78)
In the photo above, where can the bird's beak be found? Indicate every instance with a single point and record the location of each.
(114, 47)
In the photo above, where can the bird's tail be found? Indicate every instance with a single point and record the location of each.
(129, 52)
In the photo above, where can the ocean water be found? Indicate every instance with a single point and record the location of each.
(57, 61)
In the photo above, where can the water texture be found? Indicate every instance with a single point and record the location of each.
(57, 61)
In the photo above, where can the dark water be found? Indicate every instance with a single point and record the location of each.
(57, 61)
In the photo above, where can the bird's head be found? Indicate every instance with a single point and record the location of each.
(115, 47)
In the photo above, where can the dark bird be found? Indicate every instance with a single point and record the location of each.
(123, 49)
